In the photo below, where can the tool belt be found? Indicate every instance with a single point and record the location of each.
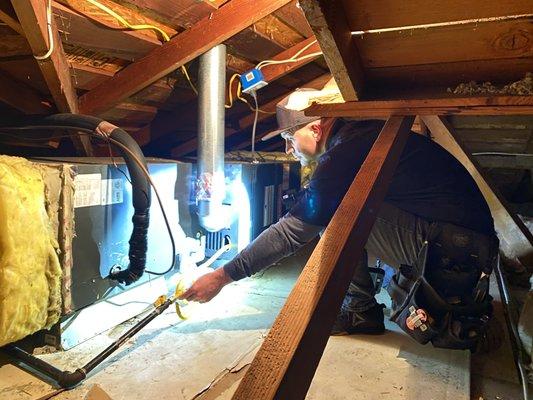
(444, 297)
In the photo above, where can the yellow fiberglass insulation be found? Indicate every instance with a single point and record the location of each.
(30, 274)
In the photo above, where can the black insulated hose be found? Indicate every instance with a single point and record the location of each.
(141, 193)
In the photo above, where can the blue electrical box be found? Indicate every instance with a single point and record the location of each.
(252, 80)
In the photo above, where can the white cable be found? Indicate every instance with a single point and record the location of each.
(260, 65)
(290, 60)
(495, 153)
(215, 256)
(443, 24)
(50, 35)
(254, 95)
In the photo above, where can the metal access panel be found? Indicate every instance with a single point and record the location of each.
(102, 217)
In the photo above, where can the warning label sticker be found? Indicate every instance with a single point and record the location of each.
(92, 190)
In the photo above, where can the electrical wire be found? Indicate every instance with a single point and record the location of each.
(496, 153)
(254, 95)
(291, 59)
(50, 33)
(260, 65)
(135, 159)
(138, 27)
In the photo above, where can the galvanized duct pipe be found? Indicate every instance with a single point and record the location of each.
(211, 99)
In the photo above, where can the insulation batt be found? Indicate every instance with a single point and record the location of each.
(30, 273)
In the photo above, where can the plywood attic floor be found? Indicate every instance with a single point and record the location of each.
(205, 357)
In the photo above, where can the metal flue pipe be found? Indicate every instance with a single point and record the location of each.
(211, 99)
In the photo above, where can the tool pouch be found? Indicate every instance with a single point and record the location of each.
(452, 313)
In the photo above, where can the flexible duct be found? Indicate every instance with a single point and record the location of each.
(140, 185)
(211, 99)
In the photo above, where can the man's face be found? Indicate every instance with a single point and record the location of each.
(303, 142)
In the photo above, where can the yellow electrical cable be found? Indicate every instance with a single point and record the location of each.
(138, 27)
(126, 23)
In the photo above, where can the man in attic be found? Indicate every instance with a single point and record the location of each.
(434, 228)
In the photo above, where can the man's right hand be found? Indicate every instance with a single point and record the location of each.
(207, 286)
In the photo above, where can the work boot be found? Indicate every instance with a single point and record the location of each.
(369, 322)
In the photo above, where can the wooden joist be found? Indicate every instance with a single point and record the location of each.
(287, 360)
(328, 21)
(22, 97)
(32, 16)
(485, 105)
(210, 31)
(517, 240)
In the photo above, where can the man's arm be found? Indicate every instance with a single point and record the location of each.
(276, 242)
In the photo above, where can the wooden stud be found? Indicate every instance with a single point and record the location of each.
(328, 21)
(484, 105)
(55, 69)
(215, 29)
(286, 362)
(517, 240)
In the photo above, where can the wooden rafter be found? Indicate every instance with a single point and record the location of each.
(210, 31)
(8, 16)
(22, 97)
(328, 21)
(521, 161)
(517, 239)
(287, 360)
(485, 105)
(55, 69)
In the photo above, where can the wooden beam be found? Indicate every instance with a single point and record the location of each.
(515, 239)
(293, 16)
(328, 21)
(55, 69)
(522, 161)
(210, 31)
(485, 105)
(8, 16)
(286, 362)
(370, 14)
(22, 97)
